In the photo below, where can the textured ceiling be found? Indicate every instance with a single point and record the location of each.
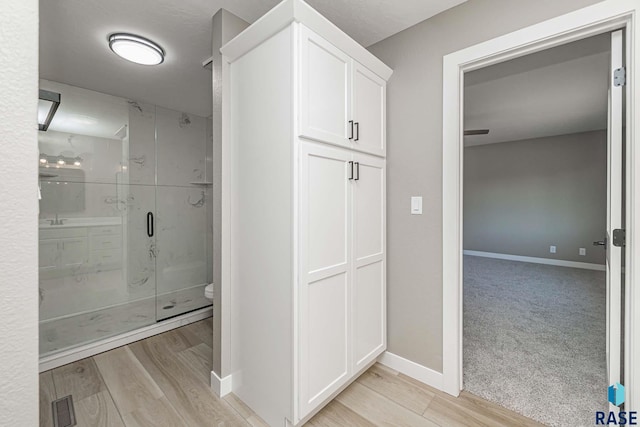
(553, 92)
(74, 50)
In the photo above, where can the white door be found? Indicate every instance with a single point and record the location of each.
(368, 110)
(614, 212)
(369, 291)
(325, 83)
(324, 277)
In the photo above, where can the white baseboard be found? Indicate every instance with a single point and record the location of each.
(411, 369)
(221, 386)
(88, 350)
(558, 262)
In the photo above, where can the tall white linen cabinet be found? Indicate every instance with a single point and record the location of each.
(304, 208)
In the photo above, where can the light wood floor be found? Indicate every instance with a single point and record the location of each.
(164, 381)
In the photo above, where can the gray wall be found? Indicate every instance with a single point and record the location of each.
(521, 197)
(19, 213)
(225, 27)
(414, 159)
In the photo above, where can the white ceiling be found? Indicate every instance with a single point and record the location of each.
(74, 50)
(554, 92)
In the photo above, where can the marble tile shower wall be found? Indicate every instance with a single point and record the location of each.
(101, 256)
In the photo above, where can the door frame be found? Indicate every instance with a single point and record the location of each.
(601, 17)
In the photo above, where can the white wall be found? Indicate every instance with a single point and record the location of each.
(522, 197)
(18, 213)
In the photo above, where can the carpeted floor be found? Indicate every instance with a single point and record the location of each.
(534, 339)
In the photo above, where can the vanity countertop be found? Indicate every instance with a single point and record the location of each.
(44, 224)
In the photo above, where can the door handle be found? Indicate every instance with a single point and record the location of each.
(600, 242)
(357, 171)
(351, 133)
(150, 224)
(350, 171)
(357, 124)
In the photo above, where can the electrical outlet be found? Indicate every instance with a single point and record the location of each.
(583, 251)
(552, 249)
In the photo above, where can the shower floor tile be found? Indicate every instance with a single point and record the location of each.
(67, 332)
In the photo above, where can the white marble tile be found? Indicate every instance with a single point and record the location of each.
(181, 148)
(181, 301)
(80, 200)
(63, 333)
(140, 248)
(182, 238)
(141, 159)
(100, 158)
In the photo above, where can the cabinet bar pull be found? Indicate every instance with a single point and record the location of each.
(350, 170)
(357, 171)
(351, 132)
(149, 224)
(357, 138)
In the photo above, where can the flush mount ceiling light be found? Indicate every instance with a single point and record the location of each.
(136, 49)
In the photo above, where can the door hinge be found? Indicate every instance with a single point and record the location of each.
(619, 77)
(619, 237)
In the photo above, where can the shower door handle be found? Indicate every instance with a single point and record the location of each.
(150, 224)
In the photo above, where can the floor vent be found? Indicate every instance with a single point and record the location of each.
(63, 413)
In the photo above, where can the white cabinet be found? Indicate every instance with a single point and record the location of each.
(48, 255)
(73, 252)
(106, 247)
(342, 102)
(368, 290)
(369, 108)
(62, 250)
(325, 272)
(68, 250)
(304, 203)
(342, 299)
(325, 85)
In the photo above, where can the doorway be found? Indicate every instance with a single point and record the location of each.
(604, 17)
(535, 197)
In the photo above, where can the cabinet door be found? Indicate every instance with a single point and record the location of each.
(369, 93)
(324, 276)
(74, 252)
(324, 90)
(369, 290)
(48, 255)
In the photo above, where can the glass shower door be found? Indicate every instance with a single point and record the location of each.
(96, 279)
(183, 197)
(125, 217)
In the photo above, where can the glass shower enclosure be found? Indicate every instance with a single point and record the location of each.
(125, 224)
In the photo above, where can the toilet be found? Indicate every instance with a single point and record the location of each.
(208, 291)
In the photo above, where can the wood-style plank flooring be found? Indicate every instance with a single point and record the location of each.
(164, 381)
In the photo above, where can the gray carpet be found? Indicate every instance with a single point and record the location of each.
(534, 339)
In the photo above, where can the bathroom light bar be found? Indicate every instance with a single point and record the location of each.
(48, 103)
(136, 49)
(46, 160)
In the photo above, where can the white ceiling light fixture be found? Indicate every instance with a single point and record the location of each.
(136, 49)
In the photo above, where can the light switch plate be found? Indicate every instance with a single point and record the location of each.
(416, 205)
